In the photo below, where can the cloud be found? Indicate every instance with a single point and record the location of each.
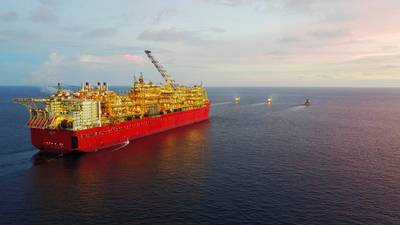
(166, 35)
(289, 39)
(217, 29)
(277, 53)
(389, 66)
(47, 72)
(74, 69)
(163, 14)
(54, 58)
(329, 33)
(172, 35)
(18, 35)
(233, 2)
(250, 36)
(43, 14)
(100, 33)
(74, 28)
(49, 3)
(8, 16)
(302, 5)
(332, 9)
(113, 59)
(58, 67)
(132, 58)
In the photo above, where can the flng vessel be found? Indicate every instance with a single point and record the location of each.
(94, 118)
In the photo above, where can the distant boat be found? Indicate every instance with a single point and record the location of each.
(268, 101)
(237, 99)
(307, 103)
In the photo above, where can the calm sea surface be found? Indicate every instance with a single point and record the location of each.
(335, 162)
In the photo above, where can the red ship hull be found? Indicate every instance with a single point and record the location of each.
(95, 139)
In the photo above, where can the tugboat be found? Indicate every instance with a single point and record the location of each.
(307, 103)
(237, 100)
(268, 101)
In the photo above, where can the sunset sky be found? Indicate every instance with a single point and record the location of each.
(219, 42)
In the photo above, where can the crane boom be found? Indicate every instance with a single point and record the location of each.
(164, 73)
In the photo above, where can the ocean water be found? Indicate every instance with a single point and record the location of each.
(335, 162)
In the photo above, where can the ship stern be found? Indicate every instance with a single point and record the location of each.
(54, 141)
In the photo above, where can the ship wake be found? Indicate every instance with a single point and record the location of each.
(296, 108)
(221, 103)
(256, 104)
(120, 146)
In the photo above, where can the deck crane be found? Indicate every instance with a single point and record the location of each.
(164, 73)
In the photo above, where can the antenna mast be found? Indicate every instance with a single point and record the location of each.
(164, 73)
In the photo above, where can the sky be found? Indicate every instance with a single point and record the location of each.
(352, 43)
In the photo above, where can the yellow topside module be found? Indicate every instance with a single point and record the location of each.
(97, 106)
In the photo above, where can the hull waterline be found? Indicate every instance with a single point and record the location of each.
(95, 139)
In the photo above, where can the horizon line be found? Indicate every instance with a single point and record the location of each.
(218, 86)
